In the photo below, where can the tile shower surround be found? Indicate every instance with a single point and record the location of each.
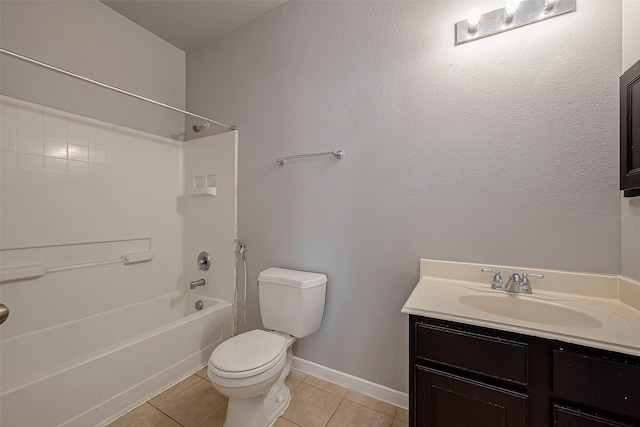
(67, 179)
(194, 402)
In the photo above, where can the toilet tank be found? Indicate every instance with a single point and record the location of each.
(291, 301)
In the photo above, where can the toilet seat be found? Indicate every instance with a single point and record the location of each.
(248, 354)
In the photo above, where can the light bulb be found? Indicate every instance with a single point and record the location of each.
(550, 4)
(510, 9)
(473, 18)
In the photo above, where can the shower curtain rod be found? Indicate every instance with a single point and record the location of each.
(113, 88)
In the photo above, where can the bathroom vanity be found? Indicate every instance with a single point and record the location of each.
(540, 364)
(463, 375)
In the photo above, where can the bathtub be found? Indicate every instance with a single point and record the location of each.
(90, 371)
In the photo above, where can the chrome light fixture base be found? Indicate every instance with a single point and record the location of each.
(528, 12)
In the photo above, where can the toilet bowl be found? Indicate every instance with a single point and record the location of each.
(251, 368)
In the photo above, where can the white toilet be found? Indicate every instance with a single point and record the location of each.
(250, 368)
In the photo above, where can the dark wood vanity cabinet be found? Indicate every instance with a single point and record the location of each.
(468, 376)
(445, 400)
(630, 131)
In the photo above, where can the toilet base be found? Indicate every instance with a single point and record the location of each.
(246, 412)
(274, 408)
(257, 411)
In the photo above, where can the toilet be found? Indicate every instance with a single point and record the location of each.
(251, 368)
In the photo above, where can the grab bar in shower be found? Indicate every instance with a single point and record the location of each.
(33, 271)
(338, 154)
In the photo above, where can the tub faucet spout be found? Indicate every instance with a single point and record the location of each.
(197, 283)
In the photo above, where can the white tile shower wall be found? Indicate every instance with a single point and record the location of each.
(68, 179)
(210, 221)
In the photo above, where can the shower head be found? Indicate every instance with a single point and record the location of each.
(198, 128)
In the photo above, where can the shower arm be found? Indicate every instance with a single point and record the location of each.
(113, 88)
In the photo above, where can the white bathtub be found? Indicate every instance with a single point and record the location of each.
(88, 372)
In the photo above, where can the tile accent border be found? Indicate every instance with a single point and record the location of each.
(377, 391)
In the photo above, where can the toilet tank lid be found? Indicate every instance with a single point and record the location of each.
(295, 278)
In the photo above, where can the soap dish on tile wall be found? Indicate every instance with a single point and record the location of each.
(204, 185)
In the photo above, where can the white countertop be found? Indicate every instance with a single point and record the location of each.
(588, 309)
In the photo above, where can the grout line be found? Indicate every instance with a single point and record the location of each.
(287, 419)
(173, 397)
(334, 412)
(345, 397)
(377, 391)
(137, 419)
(177, 422)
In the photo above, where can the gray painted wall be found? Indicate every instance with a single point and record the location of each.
(630, 207)
(499, 151)
(88, 38)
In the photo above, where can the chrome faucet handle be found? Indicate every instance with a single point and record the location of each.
(515, 278)
(496, 282)
(204, 261)
(525, 285)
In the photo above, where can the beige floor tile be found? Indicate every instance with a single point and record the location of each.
(292, 384)
(174, 390)
(351, 414)
(216, 418)
(398, 423)
(326, 386)
(202, 373)
(297, 375)
(402, 414)
(193, 404)
(281, 422)
(311, 407)
(371, 403)
(155, 418)
(131, 416)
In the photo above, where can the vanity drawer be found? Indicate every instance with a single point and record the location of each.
(487, 355)
(599, 383)
(566, 417)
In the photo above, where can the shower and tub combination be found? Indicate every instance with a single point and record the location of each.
(96, 277)
(89, 371)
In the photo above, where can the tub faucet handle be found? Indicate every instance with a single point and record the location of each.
(496, 282)
(204, 261)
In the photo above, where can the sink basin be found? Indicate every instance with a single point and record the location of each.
(530, 310)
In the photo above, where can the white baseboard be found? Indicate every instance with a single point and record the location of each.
(377, 391)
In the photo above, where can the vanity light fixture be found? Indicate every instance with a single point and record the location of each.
(515, 14)
(473, 19)
(550, 4)
(510, 10)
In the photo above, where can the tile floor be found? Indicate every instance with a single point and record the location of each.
(314, 403)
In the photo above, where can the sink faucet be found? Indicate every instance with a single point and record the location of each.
(522, 280)
(197, 283)
(496, 282)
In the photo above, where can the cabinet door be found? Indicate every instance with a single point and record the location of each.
(597, 382)
(444, 400)
(565, 417)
